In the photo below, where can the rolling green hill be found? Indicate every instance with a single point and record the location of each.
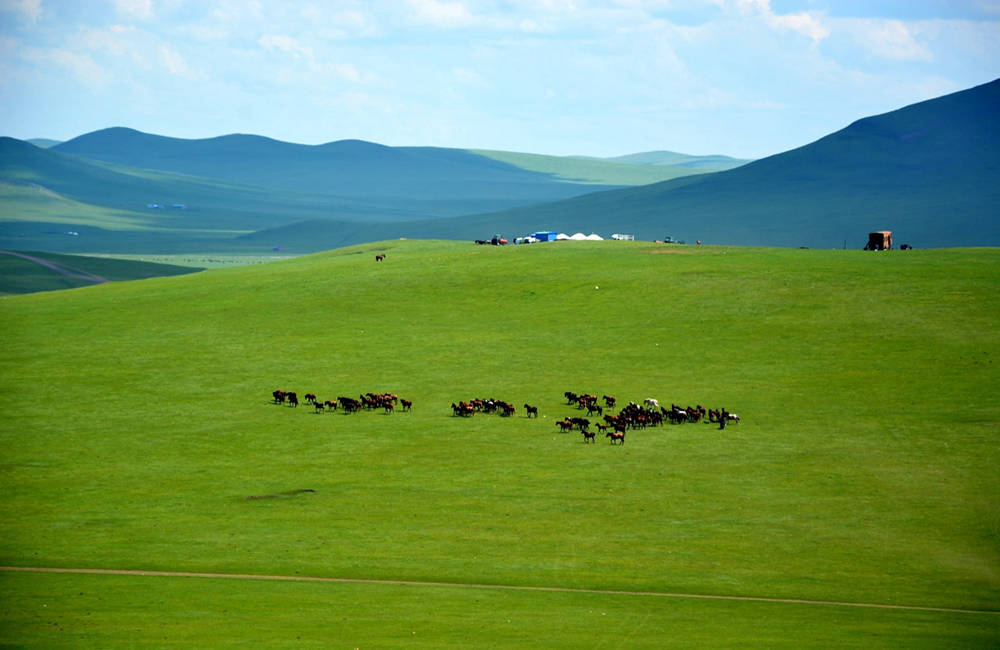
(927, 171)
(139, 433)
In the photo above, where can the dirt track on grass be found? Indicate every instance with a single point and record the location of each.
(462, 585)
(61, 270)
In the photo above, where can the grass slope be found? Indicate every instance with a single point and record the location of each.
(864, 469)
(19, 274)
(926, 171)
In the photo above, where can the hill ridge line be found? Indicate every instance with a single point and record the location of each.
(472, 585)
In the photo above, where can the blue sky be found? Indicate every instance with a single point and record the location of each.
(747, 78)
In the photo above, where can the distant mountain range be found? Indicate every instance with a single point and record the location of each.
(114, 182)
(444, 182)
(928, 172)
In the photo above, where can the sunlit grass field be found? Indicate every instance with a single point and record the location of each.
(138, 419)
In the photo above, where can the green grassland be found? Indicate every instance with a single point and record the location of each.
(138, 422)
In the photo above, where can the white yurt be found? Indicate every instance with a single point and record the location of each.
(594, 237)
(578, 237)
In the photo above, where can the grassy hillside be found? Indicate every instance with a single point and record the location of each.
(593, 170)
(44, 143)
(927, 172)
(30, 271)
(864, 468)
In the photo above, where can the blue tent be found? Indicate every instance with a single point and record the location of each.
(544, 235)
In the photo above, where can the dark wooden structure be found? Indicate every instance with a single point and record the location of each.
(879, 241)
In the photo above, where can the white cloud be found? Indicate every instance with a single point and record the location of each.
(441, 14)
(287, 44)
(81, 67)
(175, 63)
(891, 39)
(344, 71)
(804, 23)
(28, 11)
(142, 9)
(468, 77)
(312, 63)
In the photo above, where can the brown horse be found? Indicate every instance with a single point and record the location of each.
(617, 436)
(588, 436)
(531, 410)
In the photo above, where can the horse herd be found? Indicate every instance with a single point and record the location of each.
(634, 416)
(612, 425)
(368, 401)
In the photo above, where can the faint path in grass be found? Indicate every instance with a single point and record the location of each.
(472, 585)
(62, 270)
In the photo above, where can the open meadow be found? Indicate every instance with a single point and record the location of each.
(856, 504)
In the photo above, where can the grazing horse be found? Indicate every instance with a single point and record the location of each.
(588, 436)
(279, 396)
(463, 408)
(380, 257)
(407, 404)
(310, 398)
(293, 399)
(331, 404)
(564, 425)
(617, 436)
(349, 404)
(593, 407)
(531, 410)
(318, 406)
(651, 403)
(609, 401)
